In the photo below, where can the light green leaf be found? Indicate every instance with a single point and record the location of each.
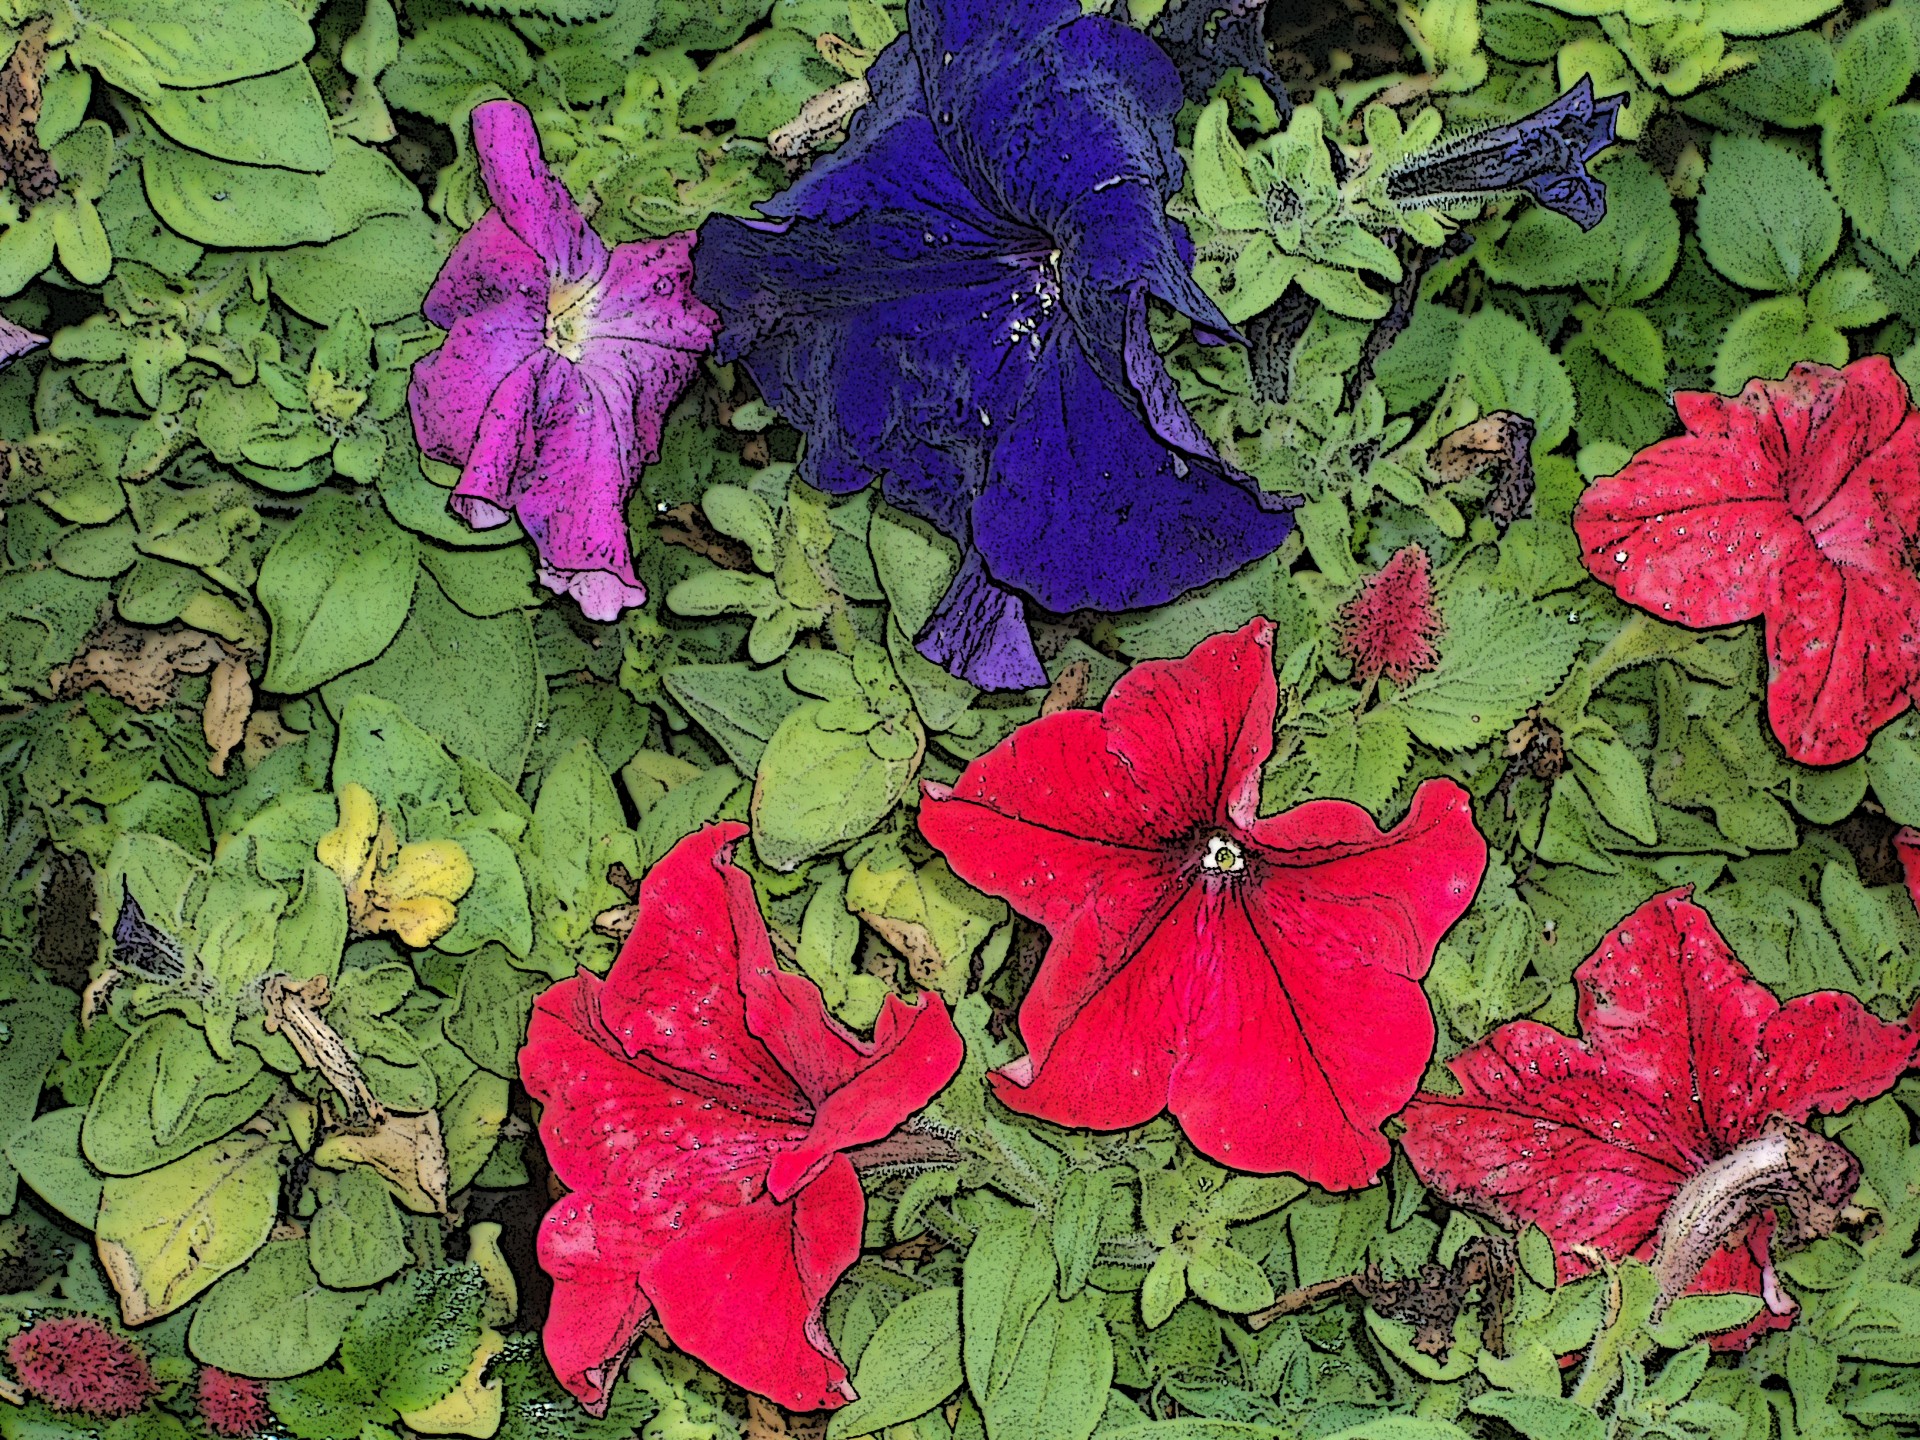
(1498, 656)
(255, 207)
(276, 119)
(910, 1365)
(1765, 219)
(355, 1238)
(817, 787)
(337, 587)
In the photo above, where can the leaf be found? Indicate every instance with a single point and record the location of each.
(355, 1238)
(166, 1094)
(1009, 1273)
(737, 704)
(1076, 1226)
(1498, 656)
(165, 1236)
(1627, 338)
(276, 119)
(257, 207)
(1226, 1279)
(452, 61)
(760, 84)
(1165, 1287)
(414, 1340)
(336, 587)
(474, 1406)
(1615, 781)
(1875, 62)
(1893, 767)
(1055, 1382)
(1507, 367)
(385, 266)
(1768, 337)
(818, 787)
(911, 1364)
(197, 42)
(1765, 219)
(1625, 258)
(271, 1319)
(1541, 1417)
(47, 1155)
(474, 684)
(1874, 167)
(406, 1150)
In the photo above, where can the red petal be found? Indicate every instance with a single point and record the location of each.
(1744, 1267)
(597, 1307)
(915, 1052)
(674, 993)
(1819, 1052)
(1843, 650)
(743, 1290)
(1820, 423)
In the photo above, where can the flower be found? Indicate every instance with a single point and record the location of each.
(696, 1103)
(76, 1363)
(16, 340)
(1258, 977)
(1544, 154)
(1390, 626)
(561, 360)
(955, 303)
(1675, 1124)
(1797, 501)
(232, 1405)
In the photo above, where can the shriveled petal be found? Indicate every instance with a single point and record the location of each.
(1843, 654)
(1087, 507)
(530, 197)
(863, 1091)
(674, 994)
(598, 1306)
(743, 1291)
(17, 340)
(1744, 1266)
(1389, 897)
(1275, 1075)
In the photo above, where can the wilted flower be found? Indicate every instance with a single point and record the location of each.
(1390, 626)
(1260, 978)
(1676, 1125)
(1799, 501)
(697, 1103)
(407, 889)
(955, 304)
(232, 1405)
(1544, 154)
(76, 1363)
(561, 361)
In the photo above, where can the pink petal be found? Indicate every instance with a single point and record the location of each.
(648, 295)
(491, 267)
(642, 379)
(1843, 651)
(530, 197)
(452, 387)
(743, 1291)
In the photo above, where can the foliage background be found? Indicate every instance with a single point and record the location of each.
(231, 589)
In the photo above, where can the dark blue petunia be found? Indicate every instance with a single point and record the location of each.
(955, 303)
(1544, 154)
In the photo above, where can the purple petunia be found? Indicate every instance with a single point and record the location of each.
(561, 360)
(1544, 154)
(17, 340)
(955, 303)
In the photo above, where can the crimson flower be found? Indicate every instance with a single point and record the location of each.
(1672, 1128)
(696, 1103)
(1390, 626)
(1799, 501)
(1258, 977)
(74, 1363)
(232, 1405)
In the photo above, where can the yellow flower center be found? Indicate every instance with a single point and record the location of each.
(1223, 857)
(569, 309)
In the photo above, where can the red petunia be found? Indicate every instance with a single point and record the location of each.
(696, 1103)
(1390, 626)
(1682, 1105)
(1258, 977)
(1798, 501)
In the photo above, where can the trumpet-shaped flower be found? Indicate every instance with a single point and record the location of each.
(955, 304)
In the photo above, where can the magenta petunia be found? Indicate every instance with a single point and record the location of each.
(561, 360)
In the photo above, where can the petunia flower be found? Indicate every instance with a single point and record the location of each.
(1389, 627)
(1259, 977)
(561, 360)
(1797, 501)
(697, 1103)
(17, 340)
(1671, 1129)
(1544, 154)
(955, 304)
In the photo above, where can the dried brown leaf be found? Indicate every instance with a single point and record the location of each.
(229, 702)
(140, 668)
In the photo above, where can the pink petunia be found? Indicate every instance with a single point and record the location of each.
(1797, 501)
(561, 360)
(1681, 1107)
(697, 1103)
(1205, 960)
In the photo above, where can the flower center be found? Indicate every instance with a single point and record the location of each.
(570, 309)
(1035, 294)
(1223, 857)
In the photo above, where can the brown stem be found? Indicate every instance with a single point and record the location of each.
(1305, 1298)
(904, 1150)
(23, 160)
(1786, 1165)
(295, 1006)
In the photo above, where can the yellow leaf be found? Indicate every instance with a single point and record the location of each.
(406, 1150)
(417, 922)
(471, 1407)
(430, 867)
(346, 849)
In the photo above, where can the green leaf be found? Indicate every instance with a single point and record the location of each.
(818, 787)
(1765, 219)
(911, 1364)
(1541, 1417)
(1874, 166)
(1764, 17)
(474, 684)
(276, 119)
(1615, 781)
(759, 85)
(328, 1405)
(413, 1341)
(1826, 797)
(256, 207)
(454, 61)
(1625, 258)
(271, 1319)
(47, 1155)
(1893, 767)
(167, 1094)
(1508, 367)
(1009, 1273)
(385, 266)
(1768, 337)
(355, 1238)
(1627, 338)
(1165, 1286)
(1076, 1226)
(1846, 298)
(491, 1010)
(204, 42)
(1055, 1383)
(1227, 1280)
(1498, 656)
(337, 587)
(1875, 63)
(165, 1236)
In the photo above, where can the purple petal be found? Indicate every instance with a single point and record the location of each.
(490, 267)
(979, 632)
(648, 295)
(485, 342)
(16, 340)
(1207, 38)
(1087, 508)
(530, 196)
(651, 378)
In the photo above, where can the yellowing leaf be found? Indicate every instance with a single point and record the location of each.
(471, 1407)
(432, 867)
(346, 849)
(406, 1150)
(417, 922)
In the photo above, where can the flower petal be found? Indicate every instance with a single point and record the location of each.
(17, 340)
(1819, 1052)
(490, 267)
(530, 197)
(1087, 507)
(979, 632)
(597, 1307)
(1843, 654)
(743, 1290)
(647, 294)
(1819, 423)
(493, 316)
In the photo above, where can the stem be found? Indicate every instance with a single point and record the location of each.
(295, 1008)
(1304, 1298)
(1608, 663)
(905, 1150)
